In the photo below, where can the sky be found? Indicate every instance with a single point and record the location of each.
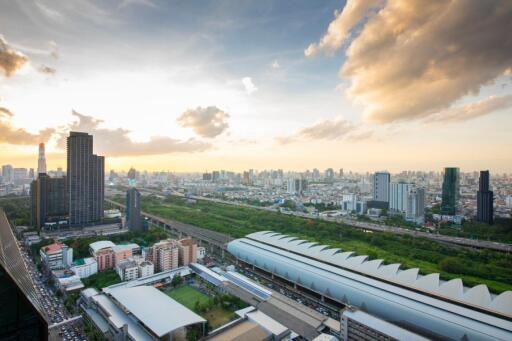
(201, 85)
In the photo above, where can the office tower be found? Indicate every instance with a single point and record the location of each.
(132, 177)
(41, 160)
(450, 195)
(381, 186)
(484, 200)
(416, 206)
(86, 180)
(134, 220)
(215, 176)
(7, 173)
(341, 172)
(31, 173)
(19, 173)
(398, 193)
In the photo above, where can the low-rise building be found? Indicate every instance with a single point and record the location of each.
(146, 268)
(128, 270)
(85, 267)
(56, 256)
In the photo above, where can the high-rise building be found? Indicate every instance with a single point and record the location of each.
(450, 194)
(187, 251)
(165, 255)
(297, 186)
(381, 186)
(398, 193)
(49, 200)
(134, 220)
(7, 173)
(484, 200)
(416, 206)
(86, 180)
(41, 160)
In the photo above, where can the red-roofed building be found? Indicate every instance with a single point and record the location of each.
(56, 256)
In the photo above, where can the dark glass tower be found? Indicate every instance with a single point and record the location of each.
(86, 180)
(450, 196)
(484, 200)
(49, 200)
(134, 219)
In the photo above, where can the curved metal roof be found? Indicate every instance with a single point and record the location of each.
(101, 244)
(478, 295)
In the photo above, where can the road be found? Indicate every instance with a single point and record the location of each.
(473, 243)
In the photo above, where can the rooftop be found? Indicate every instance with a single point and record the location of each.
(141, 302)
(101, 244)
(52, 248)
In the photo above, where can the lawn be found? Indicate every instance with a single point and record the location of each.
(218, 316)
(188, 296)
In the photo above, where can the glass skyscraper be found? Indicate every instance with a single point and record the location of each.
(450, 196)
(484, 200)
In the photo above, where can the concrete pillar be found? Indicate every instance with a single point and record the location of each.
(323, 298)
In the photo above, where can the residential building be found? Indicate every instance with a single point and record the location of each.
(49, 201)
(381, 186)
(56, 256)
(485, 200)
(416, 206)
(146, 268)
(127, 270)
(105, 259)
(398, 194)
(41, 160)
(165, 255)
(134, 220)
(85, 267)
(187, 251)
(201, 252)
(450, 191)
(86, 177)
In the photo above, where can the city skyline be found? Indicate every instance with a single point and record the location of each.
(292, 87)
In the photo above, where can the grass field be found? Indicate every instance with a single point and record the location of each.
(474, 267)
(218, 316)
(188, 296)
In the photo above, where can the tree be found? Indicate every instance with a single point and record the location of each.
(176, 280)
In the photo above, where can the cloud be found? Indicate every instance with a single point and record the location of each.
(146, 3)
(339, 29)
(54, 49)
(473, 110)
(415, 58)
(275, 65)
(19, 136)
(116, 142)
(206, 122)
(249, 85)
(10, 60)
(47, 70)
(334, 129)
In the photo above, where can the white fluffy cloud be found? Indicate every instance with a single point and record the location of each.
(206, 122)
(249, 85)
(413, 58)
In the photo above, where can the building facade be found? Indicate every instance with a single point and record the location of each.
(165, 255)
(484, 200)
(85, 267)
(86, 180)
(56, 256)
(49, 200)
(134, 220)
(450, 191)
(416, 206)
(187, 251)
(41, 160)
(398, 194)
(381, 186)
